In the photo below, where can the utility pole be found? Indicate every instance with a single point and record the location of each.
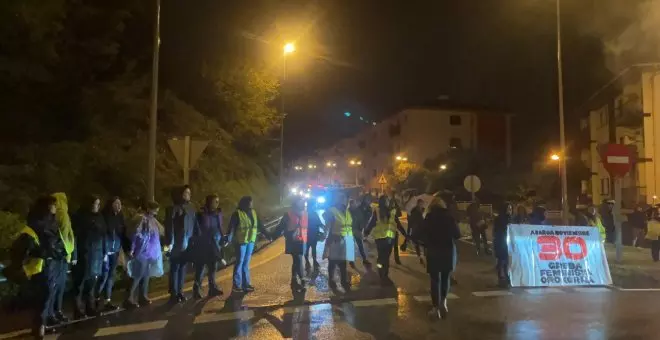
(153, 111)
(562, 134)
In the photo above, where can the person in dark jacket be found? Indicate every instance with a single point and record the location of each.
(294, 225)
(208, 241)
(180, 222)
(637, 220)
(360, 221)
(500, 226)
(90, 230)
(439, 234)
(538, 216)
(478, 227)
(415, 220)
(115, 239)
(314, 235)
(607, 215)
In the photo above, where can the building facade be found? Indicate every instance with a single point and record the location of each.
(415, 135)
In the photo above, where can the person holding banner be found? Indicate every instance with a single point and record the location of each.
(593, 220)
(500, 226)
(439, 234)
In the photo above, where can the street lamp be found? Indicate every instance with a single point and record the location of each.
(356, 163)
(554, 157)
(288, 49)
(401, 158)
(562, 134)
(443, 167)
(153, 110)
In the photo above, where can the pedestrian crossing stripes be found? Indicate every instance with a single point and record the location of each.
(374, 303)
(242, 315)
(427, 298)
(139, 327)
(492, 293)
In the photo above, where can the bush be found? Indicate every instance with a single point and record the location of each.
(10, 226)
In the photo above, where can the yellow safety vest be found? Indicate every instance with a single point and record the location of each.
(385, 229)
(33, 265)
(343, 224)
(247, 227)
(599, 225)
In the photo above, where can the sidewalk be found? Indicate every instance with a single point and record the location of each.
(636, 270)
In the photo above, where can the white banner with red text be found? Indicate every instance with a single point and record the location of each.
(544, 256)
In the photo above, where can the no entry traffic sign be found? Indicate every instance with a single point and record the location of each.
(617, 159)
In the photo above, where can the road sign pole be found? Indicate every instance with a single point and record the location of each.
(617, 217)
(472, 187)
(186, 160)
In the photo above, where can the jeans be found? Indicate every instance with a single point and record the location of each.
(610, 236)
(63, 268)
(311, 246)
(45, 285)
(242, 268)
(479, 237)
(107, 280)
(297, 276)
(360, 245)
(84, 289)
(655, 250)
(439, 287)
(502, 268)
(384, 247)
(177, 276)
(142, 278)
(397, 259)
(639, 235)
(211, 267)
(343, 274)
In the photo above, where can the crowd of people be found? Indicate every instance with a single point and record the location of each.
(88, 243)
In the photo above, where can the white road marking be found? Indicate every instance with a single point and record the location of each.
(372, 303)
(307, 308)
(427, 298)
(242, 315)
(138, 327)
(492, 293)
(591, 289)
(541, 291)
(639, 289)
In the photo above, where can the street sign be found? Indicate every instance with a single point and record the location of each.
(187, 152)
(382, 180)
(472, 183)
(616, 158)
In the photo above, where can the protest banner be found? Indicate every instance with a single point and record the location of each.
(543, 256)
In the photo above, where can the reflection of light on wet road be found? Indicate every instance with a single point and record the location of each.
(523, 330)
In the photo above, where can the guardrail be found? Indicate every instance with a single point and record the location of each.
(269, 226)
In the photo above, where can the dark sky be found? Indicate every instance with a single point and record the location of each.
(372, 58)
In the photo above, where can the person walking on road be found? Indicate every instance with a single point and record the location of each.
(208, 243)
(360, 221)
(314, 234)
(439, 234)
(145, 256)
(478, 227)
(415, 220)
(383, 227)
(294, 225)
(593, 220)
(90, 230)
(243, 228)
(63, 221)
(500, 230)
(180, 222)
(115, 238)
(607, 215)
(637, 220)
(340, 244)
(653, 234)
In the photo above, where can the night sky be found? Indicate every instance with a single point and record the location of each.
(372, 58)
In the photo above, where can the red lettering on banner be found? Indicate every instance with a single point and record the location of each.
(579, 241)
(549, 248)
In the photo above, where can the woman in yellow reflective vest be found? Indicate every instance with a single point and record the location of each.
(340, 244)
(63, 221)
(383, 227)
(244, 225)
(594, 220)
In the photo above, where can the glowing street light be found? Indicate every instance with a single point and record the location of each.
(331, 164)
(401, 158)
(555, 157)
(356, 163)
(311, 166)
(298, 168)
(443, 167)
(289, 48)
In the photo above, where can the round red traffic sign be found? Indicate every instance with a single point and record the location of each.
(617, 159)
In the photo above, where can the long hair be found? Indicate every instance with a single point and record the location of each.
(107, 208)
(40, 209)
(383, 208)
(88, 202)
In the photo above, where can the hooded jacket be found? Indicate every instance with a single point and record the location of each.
(63, 222)
(180, 223)
(208, 236)
(90, 231)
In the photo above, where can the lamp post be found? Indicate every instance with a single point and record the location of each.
(153, 110)
(288, 49)
(356, 163)
(562, 135)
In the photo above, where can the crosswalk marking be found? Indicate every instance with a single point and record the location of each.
(591, 289)
(138, 327)
(243, 315)
(492, 293)
(372, 303)
(427, 298)
(307, 308)
(542, 291)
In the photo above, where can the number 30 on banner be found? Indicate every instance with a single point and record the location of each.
(551, 248)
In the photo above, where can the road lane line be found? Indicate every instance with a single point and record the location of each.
(639, 289)
(541, 291)
(492, 293)
(592, 289)
(374, 303)
(138, 327)
(242, 315)
(426, 298)
(307, 308)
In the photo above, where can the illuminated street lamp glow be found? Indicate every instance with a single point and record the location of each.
(554, 157)
(289, 48)
(311, 166)
(443, 167)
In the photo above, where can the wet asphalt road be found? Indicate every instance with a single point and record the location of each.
(478, 309)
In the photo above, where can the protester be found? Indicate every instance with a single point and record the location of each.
(115, 238)
(500, 230)
(243, 228)
(637, 220)
(208, 241)
(415, 220)
(607, 215)
(314, 234)
(521, 216)
(360, 221)
(538, 216)
(653, 234)
(89, 228)
(439, 234)
(593, 220)
(67, 236)
(340, 244)
(478, 227)
(294, 225)
(180, 222)
(383, 228)
(146, 259)
(395, 202)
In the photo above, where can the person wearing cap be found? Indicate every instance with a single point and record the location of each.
(607, 215)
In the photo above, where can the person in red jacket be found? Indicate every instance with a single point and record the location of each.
(294, 226)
